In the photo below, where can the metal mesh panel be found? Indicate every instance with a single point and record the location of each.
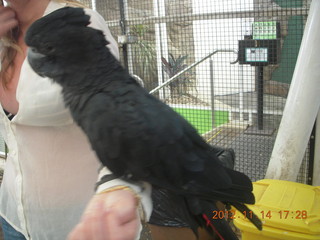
(237, 105)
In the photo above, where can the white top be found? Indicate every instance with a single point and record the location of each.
(51, 171)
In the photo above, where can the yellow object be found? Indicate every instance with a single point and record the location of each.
(288, 211)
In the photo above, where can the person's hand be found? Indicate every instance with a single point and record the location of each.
(109, 216)
(7, 20)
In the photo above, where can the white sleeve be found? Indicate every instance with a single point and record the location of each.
(143, 189)
(40, 100)
(98, 22)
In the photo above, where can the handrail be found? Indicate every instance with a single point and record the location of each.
(192, 66)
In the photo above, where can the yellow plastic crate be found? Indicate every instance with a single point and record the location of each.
(288, 210)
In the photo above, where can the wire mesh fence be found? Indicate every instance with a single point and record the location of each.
(233, 105)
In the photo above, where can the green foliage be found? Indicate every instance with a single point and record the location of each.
(172, 66)
(144, 56)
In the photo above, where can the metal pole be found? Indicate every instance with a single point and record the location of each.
(241, 103)
(316, 160)
(212, 91)
(127, 29)
(260, 97)
(161, 42)
(123, 26)
(311, 155)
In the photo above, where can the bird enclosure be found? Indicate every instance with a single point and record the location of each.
(226, 66)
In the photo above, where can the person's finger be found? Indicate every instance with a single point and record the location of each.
(79, 233)
(128, 230)
(109, 216)
(122, 217)
(94, 218)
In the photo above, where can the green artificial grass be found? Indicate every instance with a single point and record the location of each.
(202, 119)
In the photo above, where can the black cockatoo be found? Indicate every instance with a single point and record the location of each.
(138, 137)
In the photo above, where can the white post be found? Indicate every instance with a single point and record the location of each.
(316, 166)
(246, 30)
(129, 48)
(161, 41)
(241, 90)
(94, 5)
(302, 104)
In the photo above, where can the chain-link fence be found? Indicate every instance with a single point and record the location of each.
(234, 97)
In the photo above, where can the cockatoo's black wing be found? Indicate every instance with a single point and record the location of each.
(139, 137)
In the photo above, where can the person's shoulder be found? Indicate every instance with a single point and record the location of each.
(54, 5)
(96, 18)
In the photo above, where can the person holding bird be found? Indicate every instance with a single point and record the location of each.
(134, 134)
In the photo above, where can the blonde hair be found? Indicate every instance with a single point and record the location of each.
(10, 47)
